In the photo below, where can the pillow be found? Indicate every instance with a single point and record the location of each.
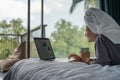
(18, 54)
(20, 51)
(6, 64)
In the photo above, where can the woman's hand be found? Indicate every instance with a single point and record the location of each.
(75, 56)
(85, 57)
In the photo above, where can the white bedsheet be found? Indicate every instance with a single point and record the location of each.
(34, 69)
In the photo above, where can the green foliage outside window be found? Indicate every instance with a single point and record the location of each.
(68, 38)
(9, 42)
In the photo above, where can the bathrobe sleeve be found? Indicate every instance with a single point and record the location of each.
(107, 53)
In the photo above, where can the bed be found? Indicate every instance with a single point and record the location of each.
(35, 69)
(2, 75)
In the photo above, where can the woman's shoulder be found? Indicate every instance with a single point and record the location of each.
(103, 38)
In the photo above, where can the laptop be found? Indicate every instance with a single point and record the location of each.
(44, 48)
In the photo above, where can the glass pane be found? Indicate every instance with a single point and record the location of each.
(13, 21)
(65, 29)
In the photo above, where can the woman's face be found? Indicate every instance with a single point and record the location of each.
(90, 35)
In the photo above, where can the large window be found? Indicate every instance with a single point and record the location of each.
(65, 29)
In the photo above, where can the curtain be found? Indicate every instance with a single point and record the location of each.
(112, 7)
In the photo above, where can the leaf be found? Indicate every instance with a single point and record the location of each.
(75, 2)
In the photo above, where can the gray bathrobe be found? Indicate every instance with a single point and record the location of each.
(107, 53)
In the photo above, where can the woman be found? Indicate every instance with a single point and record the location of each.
(105, 32)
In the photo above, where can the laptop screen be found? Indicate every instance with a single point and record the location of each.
(44, 48)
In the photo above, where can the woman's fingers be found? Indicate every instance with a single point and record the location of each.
(71, 55)
(75, 56)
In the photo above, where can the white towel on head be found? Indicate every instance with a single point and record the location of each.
(100, 22)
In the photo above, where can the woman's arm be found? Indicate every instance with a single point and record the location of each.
(76, 57)
(88, 61)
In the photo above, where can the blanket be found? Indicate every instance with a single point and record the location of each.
(35, 69)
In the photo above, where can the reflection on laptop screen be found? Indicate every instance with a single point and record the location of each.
(44, 48)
